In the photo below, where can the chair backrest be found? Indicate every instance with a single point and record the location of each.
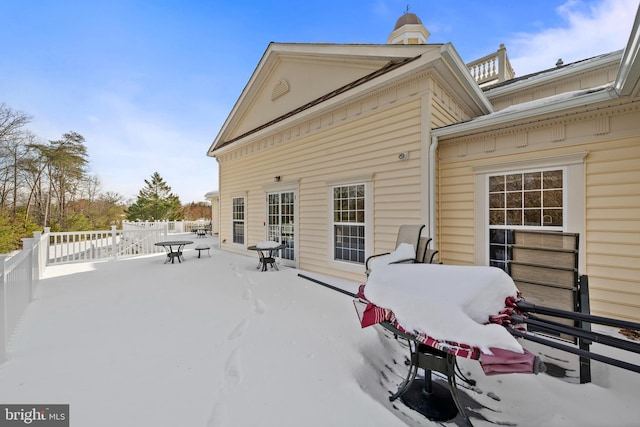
(410, 234)
(424, 254)
(544, 267)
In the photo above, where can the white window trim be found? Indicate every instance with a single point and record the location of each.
(296, 219)
(365, 180)
(573, 196)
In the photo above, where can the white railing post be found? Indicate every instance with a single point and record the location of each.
(45, 241)
(4, 321)
(502, 63)
(27, 245)
(114, 244)
(37, 255)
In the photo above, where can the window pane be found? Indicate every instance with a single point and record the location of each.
(533, 181)
(552, 179)
(532, 217)
(496, 217)
(497, 236)
(514, 200)
(496, 183)
(499, 250)
(532, 199)
(496, 200)
(552, 217)
(514, 182)
(514, 217)
(553, 198)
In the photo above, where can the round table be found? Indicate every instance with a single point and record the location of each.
(267, 255)
(174, 249)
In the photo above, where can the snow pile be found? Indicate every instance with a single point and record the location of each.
(446, 302)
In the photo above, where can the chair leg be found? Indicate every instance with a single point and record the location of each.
(411, 374)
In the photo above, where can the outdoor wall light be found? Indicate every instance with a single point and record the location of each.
(277, 178)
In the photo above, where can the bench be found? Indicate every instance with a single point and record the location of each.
(201, 248)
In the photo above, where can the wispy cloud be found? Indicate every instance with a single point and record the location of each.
(588, 30)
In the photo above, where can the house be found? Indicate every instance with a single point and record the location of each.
(214, 198)
(331, 147)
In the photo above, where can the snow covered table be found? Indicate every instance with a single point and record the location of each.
(445, 311)
(267, 252)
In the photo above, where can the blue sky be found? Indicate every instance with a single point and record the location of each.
(149, 83)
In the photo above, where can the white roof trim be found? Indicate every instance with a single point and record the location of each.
(561, 102)
(554, 74)
(460, 70)
(629, 72)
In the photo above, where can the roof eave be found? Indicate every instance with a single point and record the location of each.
(464, 77)
(495, 120)
(274, 49)
(552, 74)
(628, 79)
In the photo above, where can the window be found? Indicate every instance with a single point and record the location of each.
(349, 223)
(238, 220)
(522, 200)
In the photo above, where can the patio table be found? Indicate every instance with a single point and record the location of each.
(267, 252)
(174, 249)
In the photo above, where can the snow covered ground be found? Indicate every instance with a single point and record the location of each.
(216, 342)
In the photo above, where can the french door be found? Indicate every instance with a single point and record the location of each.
(281, 223)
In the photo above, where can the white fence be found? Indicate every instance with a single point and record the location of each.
(16, 288)
(20, 272)
(83, 246)
(170, 226)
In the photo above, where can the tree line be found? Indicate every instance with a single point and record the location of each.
(48, 184)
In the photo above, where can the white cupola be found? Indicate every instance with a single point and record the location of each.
(409, 30)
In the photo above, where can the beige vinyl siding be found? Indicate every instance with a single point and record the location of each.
(368, 146)
(443, 114)
(454, 191)
(612, 220)
(613, 227)
(456, 213)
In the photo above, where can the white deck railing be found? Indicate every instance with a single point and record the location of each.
(171, 226)
(20, 272)
(493, 68)
(16, 288)
(83, 246)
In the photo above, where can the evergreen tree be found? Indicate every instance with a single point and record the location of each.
(155, 202)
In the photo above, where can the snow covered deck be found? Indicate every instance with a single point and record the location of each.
(215, 342)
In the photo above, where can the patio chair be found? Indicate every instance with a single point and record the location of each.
(409, 234)
(425, 254)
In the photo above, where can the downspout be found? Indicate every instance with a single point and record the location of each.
(432, 188)
(219, 207)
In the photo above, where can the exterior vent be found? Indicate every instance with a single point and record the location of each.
(279, 89)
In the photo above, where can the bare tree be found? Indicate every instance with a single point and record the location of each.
(13, 140)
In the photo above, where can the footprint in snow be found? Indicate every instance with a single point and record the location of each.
(218, 417)
(259, 306)
(246, 295)
(233, 368)
(238, 331)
